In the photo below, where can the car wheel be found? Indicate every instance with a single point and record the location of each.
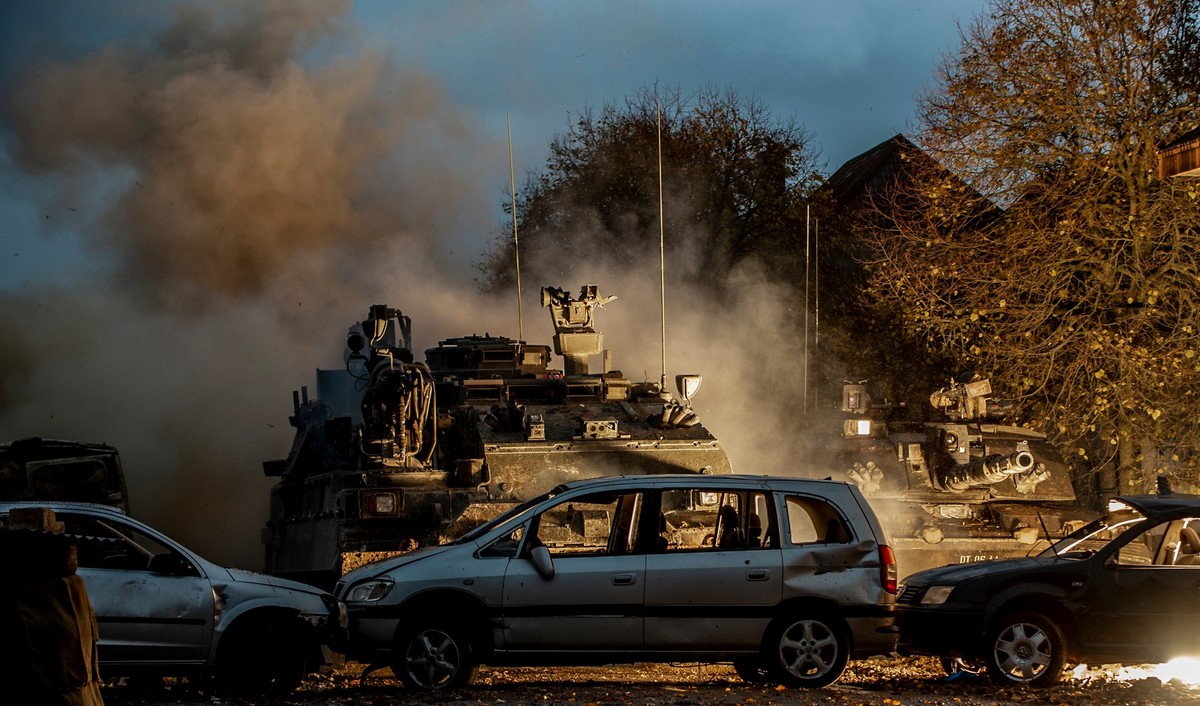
(809, 651)
(435, 656)
(1026, 648)
(752, 670)
(263, 656)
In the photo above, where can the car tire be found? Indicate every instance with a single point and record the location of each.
(1026, 648)
(752, 670)
(808, 650)
(435, 656)
(263, 655)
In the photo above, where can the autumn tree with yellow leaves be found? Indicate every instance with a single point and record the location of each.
(1040, 246)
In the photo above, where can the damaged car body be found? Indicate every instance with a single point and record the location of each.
(163, 610)
(787, 578)
(1121, 589)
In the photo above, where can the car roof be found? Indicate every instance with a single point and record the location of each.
(1154, 506)
(698, 480)
(63, 506)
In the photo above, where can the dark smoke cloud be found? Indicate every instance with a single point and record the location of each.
(240, 156)
(261, 182)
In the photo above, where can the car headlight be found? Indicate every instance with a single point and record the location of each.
(369, 591)
(936, 595)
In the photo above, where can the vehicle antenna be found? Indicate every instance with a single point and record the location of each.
(1053, 544)
(816, 286)
(662, 279)
(807, 241)
(512, 181)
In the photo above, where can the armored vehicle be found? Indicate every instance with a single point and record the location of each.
(51, 469)
(957, 486)
(394, 453)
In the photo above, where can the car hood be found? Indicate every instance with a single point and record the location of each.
(385, 565)
(243, 576)
(957, 573)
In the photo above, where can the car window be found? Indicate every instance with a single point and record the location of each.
(107, 544)
(1186, 549)
(605, 523)
(811, 520)
(705, 520)
(1174, 543)
(504, 546)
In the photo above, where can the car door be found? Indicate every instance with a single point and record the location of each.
(1141, 600)
(712, 584)
(593, 601)
(151, 603)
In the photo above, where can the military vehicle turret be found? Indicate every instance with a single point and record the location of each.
(394, 453)
(956, 486)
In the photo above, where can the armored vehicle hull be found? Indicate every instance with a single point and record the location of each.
(394, 454)
(51, 469)
(958, 487)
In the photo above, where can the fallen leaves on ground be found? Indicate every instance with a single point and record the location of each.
(875, 682)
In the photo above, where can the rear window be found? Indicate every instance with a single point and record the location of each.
(814, 520)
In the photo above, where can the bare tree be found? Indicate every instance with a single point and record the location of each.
(1081, 297)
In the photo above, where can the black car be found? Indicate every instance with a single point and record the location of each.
(1123, 589)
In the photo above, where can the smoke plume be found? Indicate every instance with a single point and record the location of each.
(247, 185)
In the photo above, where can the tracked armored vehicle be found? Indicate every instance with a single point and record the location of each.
(395, 453)
(957, 486)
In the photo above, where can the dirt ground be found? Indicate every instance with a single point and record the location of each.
(890, 682)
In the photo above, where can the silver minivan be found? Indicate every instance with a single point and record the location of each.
(786, 578)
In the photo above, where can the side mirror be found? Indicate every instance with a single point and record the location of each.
(540, 556)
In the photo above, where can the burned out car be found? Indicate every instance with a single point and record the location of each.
(161, 609)
(1123, 588)
(787, 578)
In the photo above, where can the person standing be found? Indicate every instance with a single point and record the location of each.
(48, 635)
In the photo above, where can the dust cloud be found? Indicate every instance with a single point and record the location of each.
(261, 181)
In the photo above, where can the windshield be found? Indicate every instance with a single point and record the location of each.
(516, 511)
(1097, 534)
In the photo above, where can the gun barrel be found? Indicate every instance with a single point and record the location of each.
(986, 470)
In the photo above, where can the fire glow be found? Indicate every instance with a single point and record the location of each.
(1185, 670)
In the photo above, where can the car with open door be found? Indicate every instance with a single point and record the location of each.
(1122, 589)
(786, 578)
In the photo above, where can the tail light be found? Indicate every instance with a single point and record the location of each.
(887, 569)
(378, 504)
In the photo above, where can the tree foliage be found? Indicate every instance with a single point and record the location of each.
(733, 181)
(1082, 297)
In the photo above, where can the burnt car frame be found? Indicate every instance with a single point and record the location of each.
(163, 610)
(1121, 589)
(787, 578)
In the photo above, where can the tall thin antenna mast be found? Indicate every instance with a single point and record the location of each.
(662, 278)
(806, 245)
(817, 287)
(512, 181)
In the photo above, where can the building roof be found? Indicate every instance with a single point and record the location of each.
(1181, 157)
(869, 169)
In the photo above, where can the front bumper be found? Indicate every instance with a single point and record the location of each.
(873, 635)
(940, 631)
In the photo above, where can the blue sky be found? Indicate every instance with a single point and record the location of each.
(197, 197)
(847, 71)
